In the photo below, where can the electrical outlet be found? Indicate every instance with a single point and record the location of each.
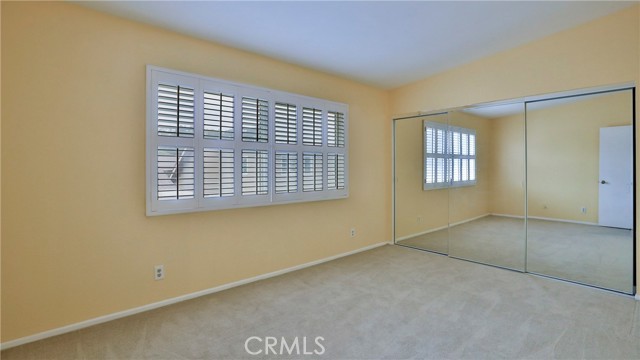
(158, 272)
(419, 220)
(584, 210)
(353, 232)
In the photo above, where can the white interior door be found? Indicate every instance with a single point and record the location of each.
(616, 177)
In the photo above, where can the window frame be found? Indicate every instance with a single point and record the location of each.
(200, 84)
(449, 156)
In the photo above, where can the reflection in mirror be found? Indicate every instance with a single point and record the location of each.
(486, 194)
(421, 217)
(580, 189)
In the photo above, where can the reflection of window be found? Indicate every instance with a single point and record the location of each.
(449, 156)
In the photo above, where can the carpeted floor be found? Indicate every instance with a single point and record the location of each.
(388, 303)
(587, 254)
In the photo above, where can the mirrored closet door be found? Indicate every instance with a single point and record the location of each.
(486, 193)
(421, 188)
(580, 189)
(544, 186)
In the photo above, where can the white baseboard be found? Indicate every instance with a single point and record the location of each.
(159, 304)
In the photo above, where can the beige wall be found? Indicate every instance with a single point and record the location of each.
(602, 52)
(76, 241)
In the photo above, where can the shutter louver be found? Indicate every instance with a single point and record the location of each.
(335, 172)
(218, 116)
(218, 173)
(255, 172)
(286, 127)
(472, 169)
(472, 145)
(175, 173)
(312, 172)
(435, 146)
(175, 111)
(456, 143)
(472, 154)
(255, 120)
(311, 127)
(286, 172)
(335, 129)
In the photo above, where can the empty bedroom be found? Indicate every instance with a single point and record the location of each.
(319, 179)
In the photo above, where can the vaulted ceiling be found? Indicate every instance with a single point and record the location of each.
(381, 43)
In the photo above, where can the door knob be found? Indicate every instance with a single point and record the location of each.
(603, 182)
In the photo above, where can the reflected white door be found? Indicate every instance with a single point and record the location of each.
(616, 177)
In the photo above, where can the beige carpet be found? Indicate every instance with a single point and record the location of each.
(587, 254)
(387, 303)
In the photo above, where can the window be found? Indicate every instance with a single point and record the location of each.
(213, 144)
(449, 156)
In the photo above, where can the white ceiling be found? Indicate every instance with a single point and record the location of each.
(381, 43)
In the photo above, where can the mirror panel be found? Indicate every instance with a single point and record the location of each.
(487, 193)
(580, 189)
(421, 216)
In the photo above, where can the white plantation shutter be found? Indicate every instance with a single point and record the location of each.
(335, 171)
(311, 127)
(463, 156)
(218, 173)
(435, 147)
(312, 172)
(175, 173)
(255, 120)
(450, 156)
(213, 144)
(255, 172)
(335, 129)
(286, 172)
(286, 124)
(175, 110)
(218, 116)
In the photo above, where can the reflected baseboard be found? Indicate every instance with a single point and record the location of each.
(548, 219)
(410, 236)
(508, 216)
(406, 237)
